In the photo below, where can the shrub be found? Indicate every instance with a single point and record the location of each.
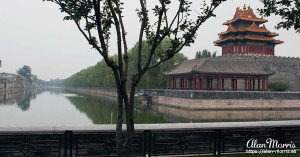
(279, 86)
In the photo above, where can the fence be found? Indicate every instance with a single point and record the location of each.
(230, 138)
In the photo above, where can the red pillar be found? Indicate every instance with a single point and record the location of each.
(201, 84)
(219, 83)
(199, 80)
(249, 83)
(235, 83)
(259, 83)
(192, 82)
(263, 84)
(179, 86)
(247, 48)
(185, 82)
(232, 83)
(196, 80)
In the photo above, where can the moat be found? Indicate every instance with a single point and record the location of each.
(59, 107)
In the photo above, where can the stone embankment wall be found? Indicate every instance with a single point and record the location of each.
(287, 69)
(228, 103)
(95, 91)
(187, 115)
(195, 99)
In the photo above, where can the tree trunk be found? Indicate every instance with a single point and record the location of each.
(129, 107)
(119, 143)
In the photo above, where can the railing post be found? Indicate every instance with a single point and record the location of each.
(147, 143)
(217, 143)
(279, 135)
(150, 139)
(68, 142)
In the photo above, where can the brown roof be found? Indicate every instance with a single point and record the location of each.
(251, 28)
(236, 33)
(245, 14)
(248, 37)
(220, 65)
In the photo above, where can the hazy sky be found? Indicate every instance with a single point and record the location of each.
(33, 33)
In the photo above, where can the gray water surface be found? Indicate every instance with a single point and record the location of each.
(59, 107)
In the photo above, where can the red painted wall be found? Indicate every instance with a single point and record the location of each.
(249, 48)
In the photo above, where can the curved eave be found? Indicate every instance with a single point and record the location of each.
(271, 34)
(278, 41)
(245, 19)
(176, 74)
(241, 74)
(223, 73)
(218, 42)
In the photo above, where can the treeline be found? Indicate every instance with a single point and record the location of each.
(101, 76)
(205, 53)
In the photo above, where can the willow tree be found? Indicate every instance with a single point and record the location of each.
(96, 19)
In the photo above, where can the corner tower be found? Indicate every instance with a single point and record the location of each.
(246, 34)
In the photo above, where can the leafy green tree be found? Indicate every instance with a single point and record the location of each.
(289, 10)
(205, 53)
(95, 20)
(214, 54)
(25, 71)
(279, 86)
(198, 54)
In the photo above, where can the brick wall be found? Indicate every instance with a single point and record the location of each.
(287, 69)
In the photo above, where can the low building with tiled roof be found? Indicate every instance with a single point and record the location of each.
(219, 73)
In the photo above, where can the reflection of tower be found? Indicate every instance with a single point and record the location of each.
(245, 35)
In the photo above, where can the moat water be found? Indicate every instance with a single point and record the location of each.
(59, 107)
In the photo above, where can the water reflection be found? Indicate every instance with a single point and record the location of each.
(102, 110)
(22, 98)
(61, 107)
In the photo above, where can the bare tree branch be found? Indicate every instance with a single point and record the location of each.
(202, 20)
(119, 37)
(143, 25)
(154, 44)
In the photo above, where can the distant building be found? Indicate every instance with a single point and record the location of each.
(247, 35)
(12, 81)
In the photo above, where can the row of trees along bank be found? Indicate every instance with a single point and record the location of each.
(101, 76)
